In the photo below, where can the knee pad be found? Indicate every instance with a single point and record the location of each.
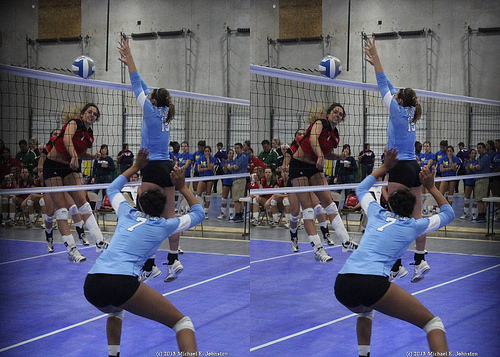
(308, 214)
(118, 315)
(182, 324)
(368, 315)
(29, 203)
(286, 202)
(41, 202)
(331, 208)
(61, 214)
(85, 209)
(73, 210)
(5, 200)
(274, 202)
(294, 218)
(434, 324)
(224, 201)
(255, 201)
(466, 201)
(11, 201)
(49, 219)
(318, 209)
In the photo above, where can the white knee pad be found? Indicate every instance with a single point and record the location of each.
(29, 203)
(434, 324)
(331, 208)
(11, 201)
(5, 200)
(308, 214)
(73, 210)
(49, 219)
(466, 201)
(61, 214)
(286, 202)
(318, 209)
(224, 201)
(118, 315)
(294, 218)
(182, 324)
(274, 202)
(41, 202)
(85, 209)
(368, 315)
(255, 201)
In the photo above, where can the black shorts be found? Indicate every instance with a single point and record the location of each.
(300, 169)
(158, 172)
(102, 290)
(353, 290)
(406, 172)
(53, 168)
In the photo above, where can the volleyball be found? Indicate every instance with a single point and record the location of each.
(83, 66)
(330, 67)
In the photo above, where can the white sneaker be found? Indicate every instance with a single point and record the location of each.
(75, 256)
(103, 244)
(255, 222)
(286, 225)
(146, 275)
(419, 271)
(321, 255)
(222, 216)
(401, 273)
(173, 271)
(465, 216)
(50, 242)
(349, 247)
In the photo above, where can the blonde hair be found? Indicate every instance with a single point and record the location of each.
(68, 113)
(316, 113)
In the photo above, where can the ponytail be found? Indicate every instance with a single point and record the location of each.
(409, 98)
(163, 99)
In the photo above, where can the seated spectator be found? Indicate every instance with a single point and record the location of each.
(7, 162)
(132, 190)
(345, 169)
(254, 161)
(268, 156)
(276, 147)
(103, 168)
(8, 203)
(366, 159)
(125, 158)
(25, 156)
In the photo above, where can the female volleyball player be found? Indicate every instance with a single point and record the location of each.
(158, 112)
(362, 284)
(449, 165)
(61, 168)
(205, 166)
(404, 113)
(306, 169)
(112, 285)
(227, 186)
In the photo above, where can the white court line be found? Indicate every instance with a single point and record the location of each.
(105, 315)
(290, 255)
(352, 315)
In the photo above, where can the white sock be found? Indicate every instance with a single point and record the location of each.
(12, 215)
(232, 211)
(79, 224)
(323, 224)
(340, 230)
(275, 217)
(363, 350)
(256, 215)
(113, 350)
(69, 242)
(93, 228)
(32, 217)
(315, 241)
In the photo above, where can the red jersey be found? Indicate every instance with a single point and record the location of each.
(255, 162)
(264, 184)
(82, 139)
(20, 184)
(328, 139)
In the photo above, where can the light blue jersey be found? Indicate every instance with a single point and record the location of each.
(400, 130)
(137, 236)
(155, 132)
(387, 236)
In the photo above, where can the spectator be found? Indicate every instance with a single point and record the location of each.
(227, 185)
(366, 159)
(268, 181)
(463, 156)
(7, 162)
(481, 188)
(495, 181)
(220, 156)
(185, 159)
(254, 161)
(469, 164)
(240, 165)
(8, 205)
(25, 156)
(132, 190)
(268, 156)
(345, 169)
(103, 168)
(205, 166)
(276, 147)
(196, 155)
(448, 166)
(33, 146)
(125, 158)
(439, 155)
(174, 154)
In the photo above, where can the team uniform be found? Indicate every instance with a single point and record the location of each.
(228, 181)
(425, 158)
(363, 280)
(203, 162)
(182, 159)
(439, 155)
(445, 161)
(196, 155)
(113, 279)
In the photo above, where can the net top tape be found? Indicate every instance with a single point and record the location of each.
(309, 78)
(62, 78)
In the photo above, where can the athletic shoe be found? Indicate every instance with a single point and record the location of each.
(295, 241)
(274, 224)
(401, 273)
(81, 236)
(326, 235)
(29, 224)
(8, 223)
(286, 225)
(50, 242)
(180, 250)
(419, 271)
(465, 216)
(222, 216)
(479, 220)
(173, 271)
(101, 245)
(75, 256)
(321, 255)
(231, 216)
(146, 275)
(237, 219)
(255, 222)
(349, 246)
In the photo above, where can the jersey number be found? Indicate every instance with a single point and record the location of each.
(390, 221)
(141, 220)
(411, 126)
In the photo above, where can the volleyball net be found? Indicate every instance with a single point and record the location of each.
(33, 103)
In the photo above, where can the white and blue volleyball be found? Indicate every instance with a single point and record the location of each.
(83, 66)
(330, 67)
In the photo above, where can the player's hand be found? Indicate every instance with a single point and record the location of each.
(74, 164)
(427, 178)
(124, 49)
(141, 160)
(390, 158)
(320, 163)
(178, 177)
(370, 50)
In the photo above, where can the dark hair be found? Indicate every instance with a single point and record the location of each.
(491, 143)
(250, 149)
(52, 133)
(461, 144)
(418, 146)
(238, 144)
(202, 143)
(452, 148)
(481, 144)
(185, 142)
(207, 147)
(443, 143)
(402, 202)
(220, 144)
(333, 106)
(175, 145)
(124, 146)
(428, 142)
(365, 146)
(163, 99)
(152, 202)
(23, 142)
(347, 146)
(409, 98)
(87, 106)
(295, 135)
(5, 148)
(265, 142)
